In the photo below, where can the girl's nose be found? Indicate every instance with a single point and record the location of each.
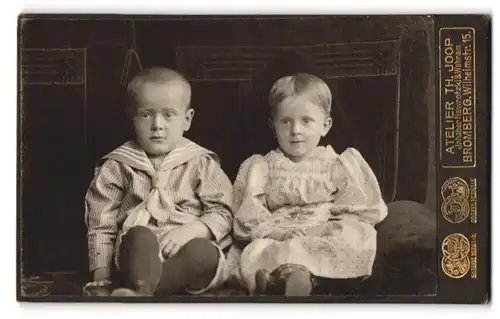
(296, 128)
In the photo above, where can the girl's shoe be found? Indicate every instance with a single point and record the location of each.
(262, 278)
(274, 283)
(269, 283)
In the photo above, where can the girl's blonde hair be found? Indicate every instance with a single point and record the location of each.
(306, 85)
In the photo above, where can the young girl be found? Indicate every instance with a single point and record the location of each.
(304, 210)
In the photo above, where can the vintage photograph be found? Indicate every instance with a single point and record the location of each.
(232, 157)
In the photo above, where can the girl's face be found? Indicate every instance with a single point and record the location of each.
(299, 125)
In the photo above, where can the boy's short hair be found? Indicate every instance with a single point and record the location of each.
(314, 89)
(159, 75)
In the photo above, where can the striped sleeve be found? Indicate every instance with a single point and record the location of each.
(215, 193)
(102, 201)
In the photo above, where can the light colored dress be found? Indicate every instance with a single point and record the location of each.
(335, 199)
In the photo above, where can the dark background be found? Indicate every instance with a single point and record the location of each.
(377, 67)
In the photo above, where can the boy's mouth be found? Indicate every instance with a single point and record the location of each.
(157, 138)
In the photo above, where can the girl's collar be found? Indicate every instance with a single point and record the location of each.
(320, 152)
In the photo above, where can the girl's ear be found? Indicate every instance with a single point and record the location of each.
(327, 126)
(271, 125)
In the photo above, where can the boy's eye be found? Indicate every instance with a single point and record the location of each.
(284, 121)
(168, 114)
(307, 120)
(144, 114)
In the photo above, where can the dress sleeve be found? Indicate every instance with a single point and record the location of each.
(359, 194)
(252, 217)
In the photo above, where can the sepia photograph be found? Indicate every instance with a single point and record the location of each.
(251, 158)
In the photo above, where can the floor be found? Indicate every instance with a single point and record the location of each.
(389, 279)
(52, 283)
(70, 284)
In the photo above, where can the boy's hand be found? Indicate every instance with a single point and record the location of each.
(175, 239)
(101, 285)
(101, 274)
(97, 288)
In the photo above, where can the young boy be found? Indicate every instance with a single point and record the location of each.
(158, 210)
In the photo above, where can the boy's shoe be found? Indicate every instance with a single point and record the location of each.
(90, 290)
(143, 290)
(124, 292)
(96, 292)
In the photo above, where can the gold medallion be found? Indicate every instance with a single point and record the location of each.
(455, 186)
(455, 247)
(455, 209)
(455, 268)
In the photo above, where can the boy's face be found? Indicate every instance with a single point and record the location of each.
(299, 125)
(162, 116)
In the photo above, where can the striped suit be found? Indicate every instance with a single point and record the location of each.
(127, 191)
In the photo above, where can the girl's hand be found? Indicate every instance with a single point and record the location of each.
(276, 234)
(294, 233)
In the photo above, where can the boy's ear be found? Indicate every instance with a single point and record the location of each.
(188, 119)
(327, 126)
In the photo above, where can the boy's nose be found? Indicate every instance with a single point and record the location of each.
(158, 122)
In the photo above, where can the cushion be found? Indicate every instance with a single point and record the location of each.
(409, 225)
(406, 261)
